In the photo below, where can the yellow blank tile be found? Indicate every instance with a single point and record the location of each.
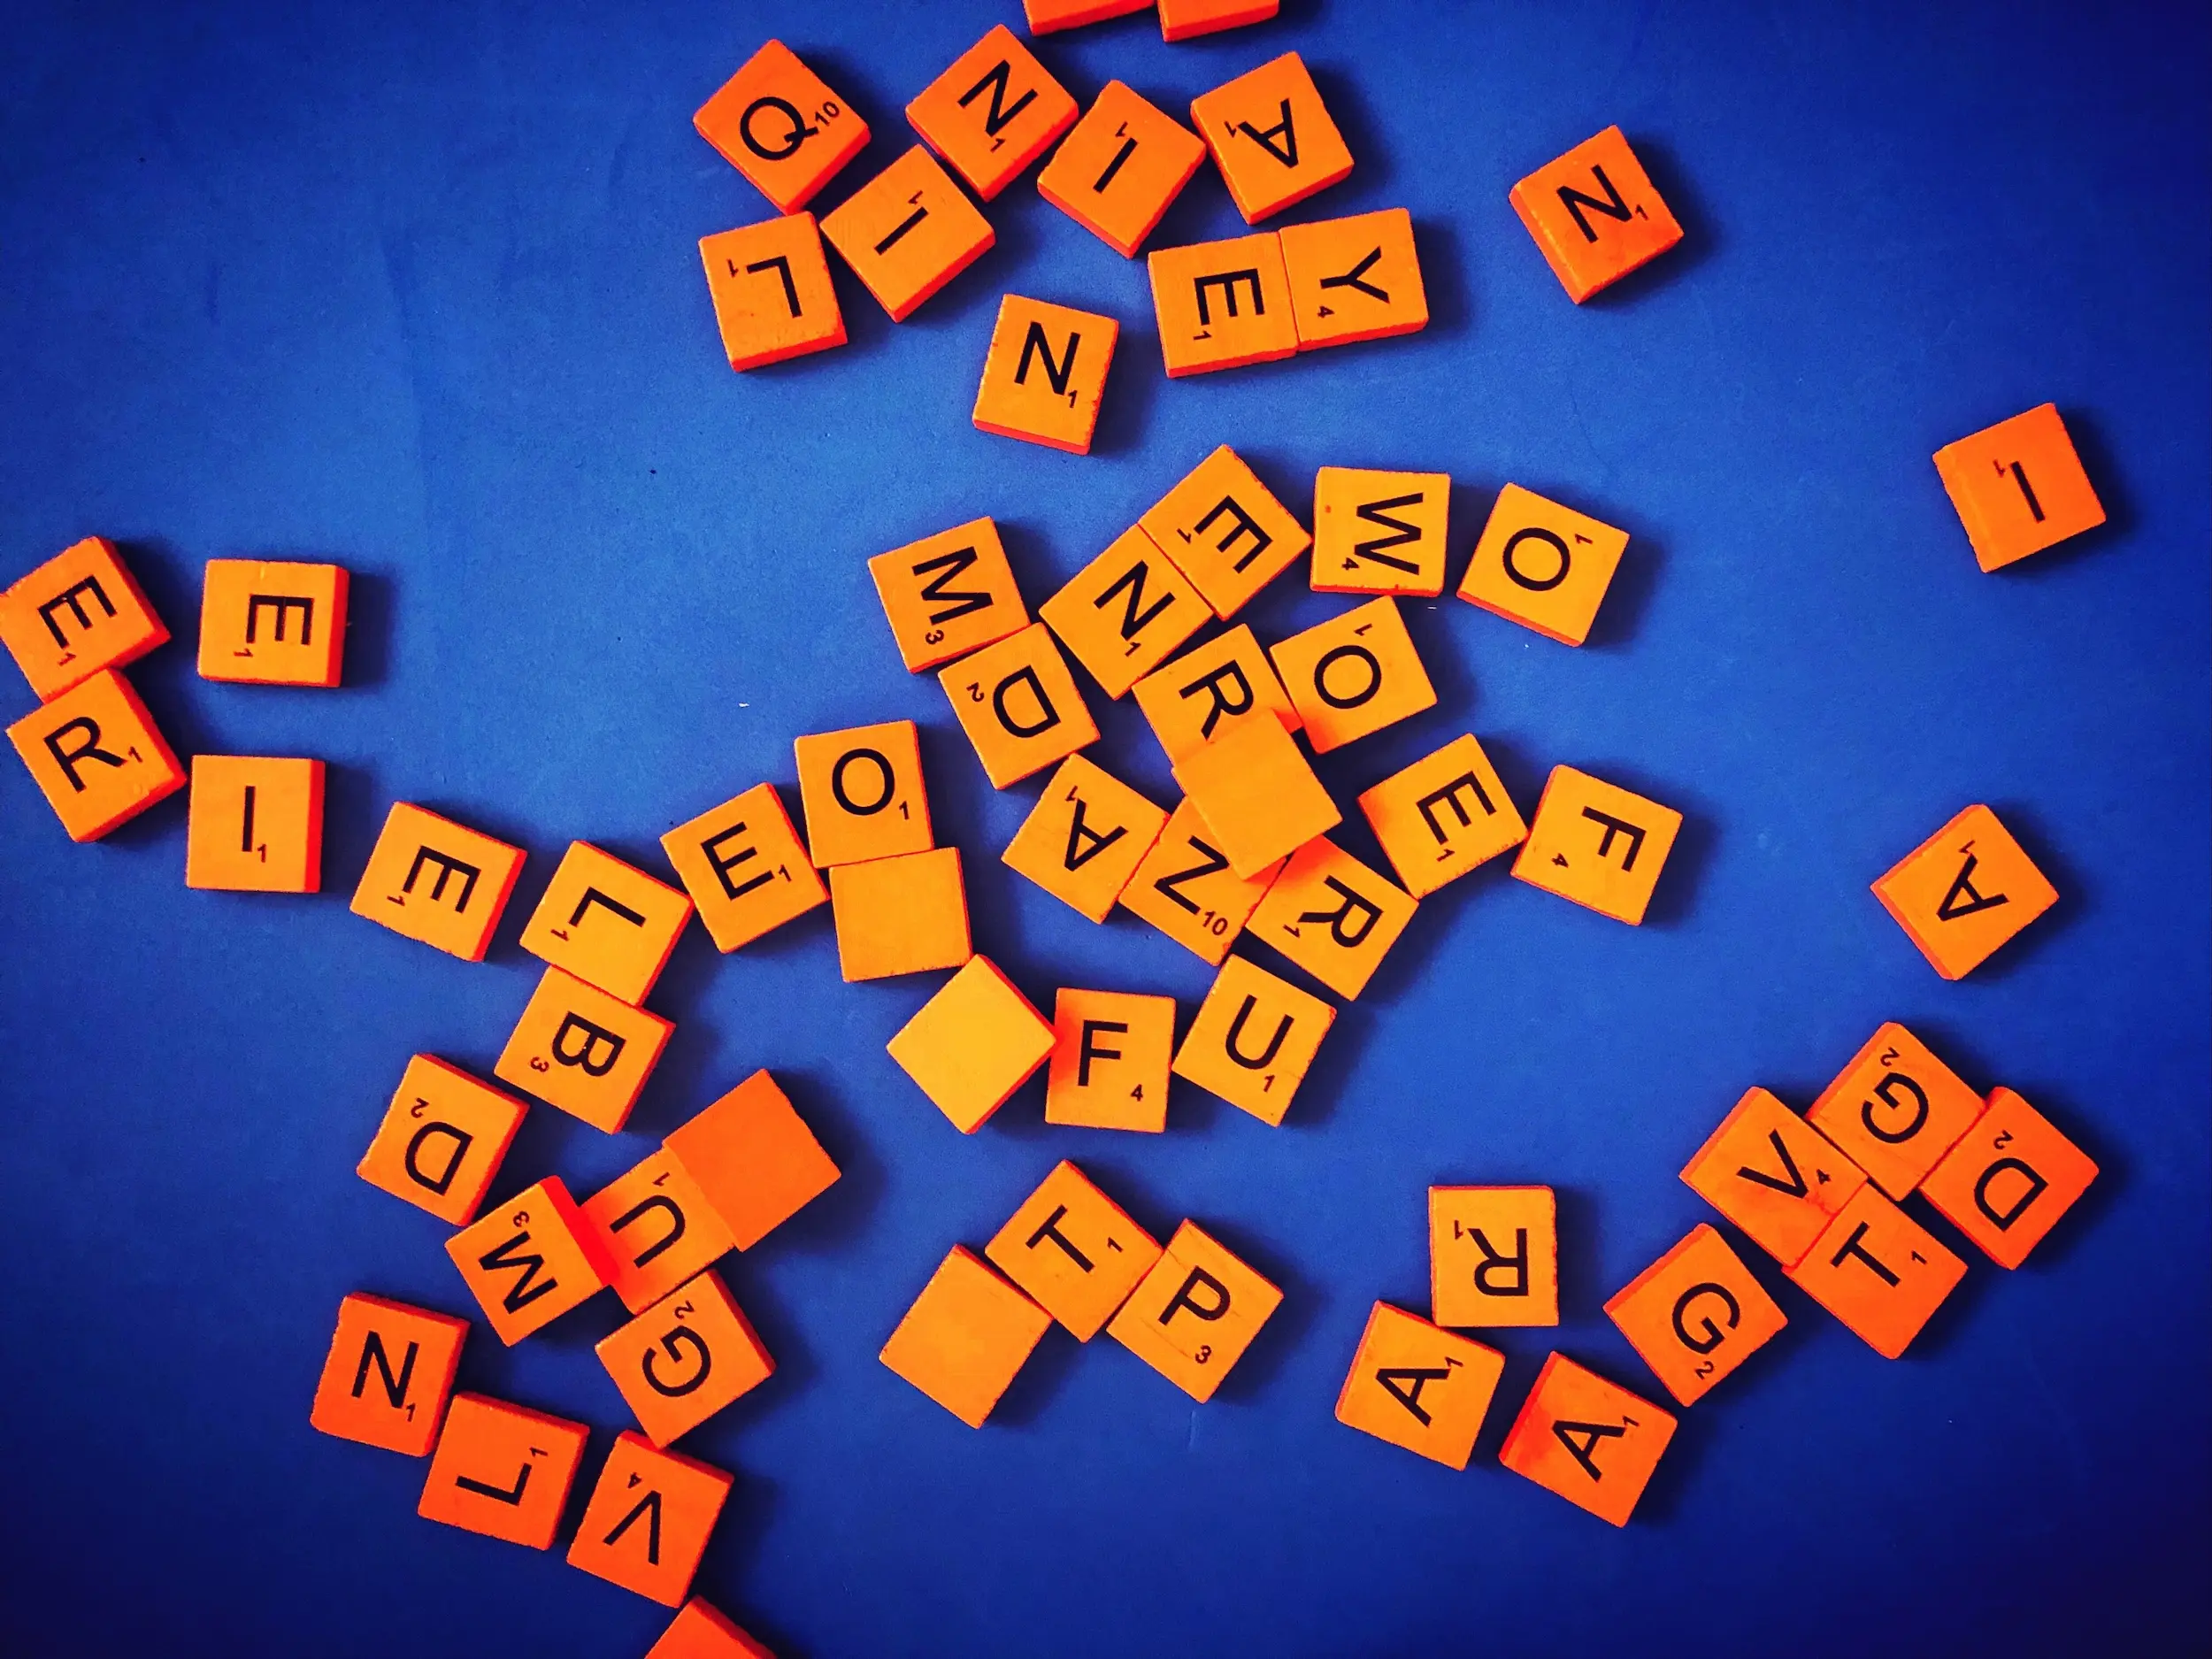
(894, 916)
(1379, 533)
(1124, 611)
(1186, 889)
(1597, 844)
(966, 1336)
(1542, 565)
(1085, 838)
(607, 923)
(1073, 1252)
(1254, 1039)
(973, 1044)
(949, 593)
(861, 790)
(1018, 704)
(430, 879)
(1110, 1055)
(1194, 1314)
(1442, 816)
(1332, 916)
(1226, 531)
(1256, 794)
(255, 825)
(1493, 1255)
(1419, 1387)
(1354, 674)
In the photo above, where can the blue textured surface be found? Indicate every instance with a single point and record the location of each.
(414, 288)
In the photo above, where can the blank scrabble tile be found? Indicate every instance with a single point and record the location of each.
(1073, 1251)
(973, 1044)
(1542, 565)
(908, 232)
(1600, 845)
(745, 867)
(1122, 614)
(1444, 815)
(96, 755)
(1226, 531)
(1418, 1386)
(1591, 1441)
(606, 922)
(894, 916)
(579, 1048)
(949, 593)
(1252, 1040)
(1084, 838)
(648, 1519)
(1332, 916)
(1695, 1315)
(1774, 1175)
(1192, 1317)
(1120, 167)
(1354, 674)
(441, 1140)
(1965, 892)
(753, 1158)
(78, 613)
(1493, 1255)
(388, 1375)
(503, 1471)
(1355, 278)
(1184, 887)
(1017, 702)
(2018, 486)
(699, 1631)
(655, 1229)
(255, 825)
(1222, 304)
(1595, 214)
(769, 284)
(529, 1260)
(1110, 1055)
(1045, 374)
(780, 125)
(966, 1336)
(270, 624)
(1255, 792)
(1272, 137)
(1186, 19)
(685, 1357)
(2008, 1179)
(862, 791)
(1047, 16)
(1200, 695)
(432, 879)
(1895, 1109)
(1879, 1271)
(993, 112)
(1379, 533)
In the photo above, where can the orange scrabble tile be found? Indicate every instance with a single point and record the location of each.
(1597, 844)
(609, 923)
(1595, 214)
(862, 791)
(1442, 816)
(906, 915)
(96, 755)
(1332, 916)
(1045, 374)
(1085, 838)
(1047, 17)
(273, 624)
(388, 1375)
(1695, 1315)
(530, 1261)
(966, 1336)
(1184, 887)
(1226, 532)
(1018, 704)
(1353, 674)
(655, 1229)
(1123, 613)
(1493, 1255)
(949, 593)
(1895, 1109)
(431, 880)
(1252, 1040)
(1379, 533)
(772, 295)
(1073, 1252)
(1774, 1175)
(701, 1632)
(79, 612)
(993, 112)
(255, 825)
(442, 1140)
(1965, 892)
(1592, 1443)
(1272, 137)
(908, 232)
(745, 868)
(1256, 794)
(1222, 304)
(1879, 1271)
(973, 1044)
(685, 1357)
(1186, 19)
(1194, 1314)
(1355, 278)
(753, 1158)
(580, 1049)
(1542, 565)
(779, 123)
(648, 1519)
(1211, 688)
(1417, 1386)
(1110, 1055)
(1120, 168)
(2018, 486)
(503, 1471)
(2008, 1179)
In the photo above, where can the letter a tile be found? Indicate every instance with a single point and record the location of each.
(1594, 1443)
(1085, 838)
(1417, 1386)
(1965, 892)
(1272, 137)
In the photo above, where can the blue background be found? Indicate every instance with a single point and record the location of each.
(414, 289)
